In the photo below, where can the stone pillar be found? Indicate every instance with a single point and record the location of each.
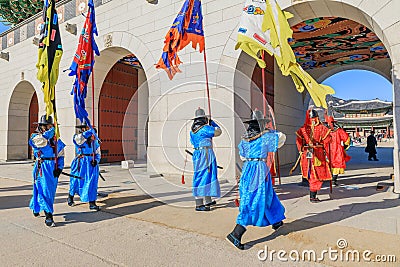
(396, 125)
(143, 114)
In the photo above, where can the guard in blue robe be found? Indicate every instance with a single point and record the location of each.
(205, 181)
(259, 204)
(85, 166)
(45, 171)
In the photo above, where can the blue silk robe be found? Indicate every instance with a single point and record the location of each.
(259, 204)
(81, 166)
(205, 181)
(44, 182)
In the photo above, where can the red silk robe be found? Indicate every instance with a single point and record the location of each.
(319, 137)
(337, 153)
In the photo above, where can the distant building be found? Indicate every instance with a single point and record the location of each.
(358, 118)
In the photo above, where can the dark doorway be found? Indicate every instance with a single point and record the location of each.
(118, 89)
(33, 117)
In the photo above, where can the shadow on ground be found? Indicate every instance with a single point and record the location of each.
(327, 217)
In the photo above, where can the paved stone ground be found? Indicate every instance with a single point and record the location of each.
(161, 227)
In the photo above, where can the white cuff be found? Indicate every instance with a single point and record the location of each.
(281, 140)
(39, 141)
(79, 139)
(217, 131)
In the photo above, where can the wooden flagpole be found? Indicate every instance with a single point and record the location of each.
(207, 84)
(93, 120)
(264, 85)
(264, 89)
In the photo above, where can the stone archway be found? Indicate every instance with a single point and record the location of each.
(375, 16)
(372, 15)
(18, 121)
(120, 45)
(119, 91)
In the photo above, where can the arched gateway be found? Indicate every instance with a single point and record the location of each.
(377, 17)
(22, 112)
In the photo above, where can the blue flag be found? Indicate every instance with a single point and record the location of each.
(82, 65)
(186, 28)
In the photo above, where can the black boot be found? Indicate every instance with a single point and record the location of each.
(304, 182)
(36, 214)
(235, 237)
(277, 225)
(93, 206)
(49, 219)
(313, 197)
(334, 180)
(70, 200)
(203, 208)
(210, 202)
(200, 206)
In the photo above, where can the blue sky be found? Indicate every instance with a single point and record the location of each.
(3, 27)
(360, 84)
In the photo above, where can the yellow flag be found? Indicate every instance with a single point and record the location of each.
(264, 27)
(49, 57)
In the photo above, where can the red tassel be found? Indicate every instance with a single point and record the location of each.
(183, 179)
(237, 202)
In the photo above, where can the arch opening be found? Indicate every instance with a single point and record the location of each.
(363, 105)
(324, 45)
(122, 105)
(22, 104)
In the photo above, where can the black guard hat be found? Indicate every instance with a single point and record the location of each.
(257, 115)
(200, 113)
(44, 120)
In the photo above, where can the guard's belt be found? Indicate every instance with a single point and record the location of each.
(202, 147)
(46, 158)
(255, 159)
(85, 155)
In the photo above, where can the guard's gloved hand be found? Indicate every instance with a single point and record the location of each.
(212, 123)
(93, 163)
(57, 172)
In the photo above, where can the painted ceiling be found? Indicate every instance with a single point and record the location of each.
(131, 60)
(329, 41)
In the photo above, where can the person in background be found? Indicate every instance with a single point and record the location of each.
(312, 142)
(371, 146)
(340, 141)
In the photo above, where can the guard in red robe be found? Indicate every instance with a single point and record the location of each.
(313, 142)
(340, 141)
